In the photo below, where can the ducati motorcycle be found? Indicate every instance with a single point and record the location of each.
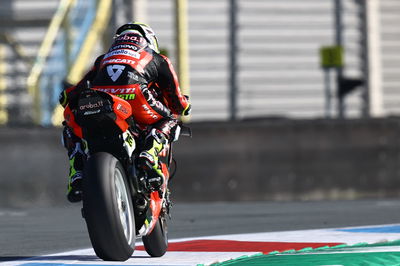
(118, 207)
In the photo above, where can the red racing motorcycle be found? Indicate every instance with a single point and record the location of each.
(117, 206)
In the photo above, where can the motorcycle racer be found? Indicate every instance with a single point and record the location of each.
(134, 70)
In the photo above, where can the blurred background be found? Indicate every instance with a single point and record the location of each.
(292, 100)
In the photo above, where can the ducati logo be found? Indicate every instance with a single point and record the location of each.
(114, 71)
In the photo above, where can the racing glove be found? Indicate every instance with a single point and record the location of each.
(188, 108)
(63, 98)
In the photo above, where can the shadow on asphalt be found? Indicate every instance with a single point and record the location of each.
(51, 258)
(58, 258)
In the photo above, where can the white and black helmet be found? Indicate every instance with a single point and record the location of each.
(142, 29)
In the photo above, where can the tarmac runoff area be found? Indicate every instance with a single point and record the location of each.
(368, 245)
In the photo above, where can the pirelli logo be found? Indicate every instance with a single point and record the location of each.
(123, 52)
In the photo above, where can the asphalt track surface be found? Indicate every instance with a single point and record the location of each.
(38, 231)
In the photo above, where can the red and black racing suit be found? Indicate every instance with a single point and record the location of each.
(139, 75)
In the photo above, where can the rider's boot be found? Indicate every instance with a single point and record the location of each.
(77, 157)
(149, 160)
(76, 160)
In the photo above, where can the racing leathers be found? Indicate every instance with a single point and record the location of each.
(134, 72)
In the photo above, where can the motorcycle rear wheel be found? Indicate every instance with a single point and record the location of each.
(156, 243)
(108, 208)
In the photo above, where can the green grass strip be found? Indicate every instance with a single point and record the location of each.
(348, 255)
(348, 259)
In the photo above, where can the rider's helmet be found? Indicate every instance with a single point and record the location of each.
(142, 29)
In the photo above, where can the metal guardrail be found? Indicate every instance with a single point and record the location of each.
(60, 56)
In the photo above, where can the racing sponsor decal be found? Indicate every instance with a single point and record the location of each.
(119, 61)
(91, 105)
(124, 46)
(91, 108)
(115, 71)
(122, 108)
(129, 140)
(124, 52)
(126, 97)
(124, 93)
(139, 65)
(150, 112)
(117, 90)
(132, 38)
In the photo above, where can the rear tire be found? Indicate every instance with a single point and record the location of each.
(156, 243)
(108, 208)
